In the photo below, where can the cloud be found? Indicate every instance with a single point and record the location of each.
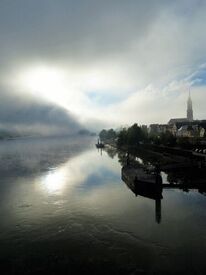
(123, 61)
(156, 106)
(31, 116)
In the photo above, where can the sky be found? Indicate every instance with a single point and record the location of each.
(97, 64)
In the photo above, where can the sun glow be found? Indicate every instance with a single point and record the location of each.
(70, 87)
(64, 87)
(46, 82)
(43, 79)
(54, 181)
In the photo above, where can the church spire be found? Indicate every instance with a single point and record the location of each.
(189, 108)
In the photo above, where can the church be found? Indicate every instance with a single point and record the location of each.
(181, 127)
(188, 127)
(189, 117)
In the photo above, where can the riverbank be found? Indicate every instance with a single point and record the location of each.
(164, 150)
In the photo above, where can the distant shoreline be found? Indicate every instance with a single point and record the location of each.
(46, 137)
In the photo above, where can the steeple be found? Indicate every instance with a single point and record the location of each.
(189, 108)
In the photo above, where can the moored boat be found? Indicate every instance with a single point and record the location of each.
(142, 182)
(99, 144)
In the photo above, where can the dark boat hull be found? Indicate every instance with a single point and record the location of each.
(100, 145)
(149, 186)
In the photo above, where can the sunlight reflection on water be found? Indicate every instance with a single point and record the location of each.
(54, 181)
(81, 207)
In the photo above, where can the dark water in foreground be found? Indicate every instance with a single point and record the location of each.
(65, 209)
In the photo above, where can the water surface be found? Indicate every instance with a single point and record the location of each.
(65, 209)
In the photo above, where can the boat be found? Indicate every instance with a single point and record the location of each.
(142, 182)
(146, 184)
(100, 144)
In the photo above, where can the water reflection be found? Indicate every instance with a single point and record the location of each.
(174, 179)
(151, 190)
(158, 210)
(54, 181)
(61, 200)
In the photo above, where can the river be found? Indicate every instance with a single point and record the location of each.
(65, 210)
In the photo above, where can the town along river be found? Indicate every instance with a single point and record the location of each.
(65, 210)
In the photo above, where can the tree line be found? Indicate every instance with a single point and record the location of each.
(135, 135)
(126, 136)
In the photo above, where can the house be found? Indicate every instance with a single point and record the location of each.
(191, 131)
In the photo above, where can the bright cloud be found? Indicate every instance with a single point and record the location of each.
(108, 62)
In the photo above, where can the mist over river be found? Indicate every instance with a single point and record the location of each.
(65, 210)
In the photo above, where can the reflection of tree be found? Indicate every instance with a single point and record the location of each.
(174, 167)
(202, 190)
(111, 152)
(186, 177)
(124, 156)
(172, 178)
(158, 210)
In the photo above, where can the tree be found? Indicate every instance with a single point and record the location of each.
(122, 138)
(103, 134)
(107, 134)
(167, 138)
(131, 136)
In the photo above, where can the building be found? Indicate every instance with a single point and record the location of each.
(186, 131)
(181, 127)
(189, 109)
(189, 117)
(172, 128)
(157, 129)
(202, 132)
(154, 129)
(191, 131)
(173, 121)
